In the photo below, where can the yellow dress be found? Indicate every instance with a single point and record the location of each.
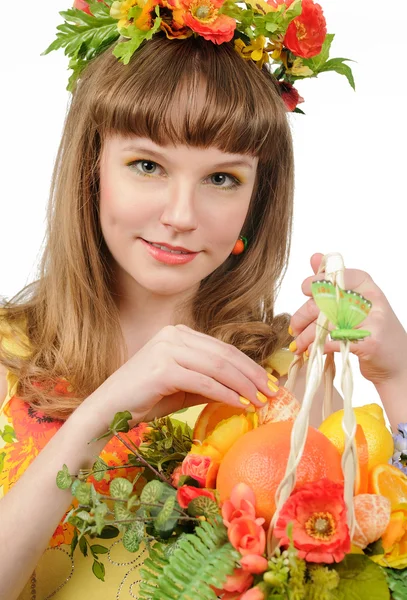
(23, 433)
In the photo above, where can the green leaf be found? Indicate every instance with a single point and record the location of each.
(108, 532)
(360, 579)
(133, 536)
(180, 411)
(374, 548)
(165, 513)
(315, 63)
(198, 562)
(64, 479)
(98, 549)
(98, 569)
(100, 468)
(83, 546)
(397, 582)
(81, 491)
(120, 422)
(152, 492)
(188, 480)
(121, 513)
(74, 542)
(120, 488)
(125, 50)
(337, 65)
(132, 502)
(100, 512)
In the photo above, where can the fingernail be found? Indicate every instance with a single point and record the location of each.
(293, 346)
(306, 353)
(261, 397)
(272, 386)
(251, 409)
(290, 331)
(271, 377)
(244, 401)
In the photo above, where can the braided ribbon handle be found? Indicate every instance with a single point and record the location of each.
(333, 267)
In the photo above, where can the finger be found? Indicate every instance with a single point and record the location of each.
(316, 261)
(209, 345)
(306, 338)
(304, 316)
(223, 371)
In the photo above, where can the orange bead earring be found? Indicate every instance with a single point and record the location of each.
(240, 246)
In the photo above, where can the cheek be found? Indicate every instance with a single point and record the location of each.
(118, 208)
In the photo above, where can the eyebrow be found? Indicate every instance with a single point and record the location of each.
(228, 163)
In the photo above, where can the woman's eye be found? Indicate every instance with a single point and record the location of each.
(146, 167)
(224, 181)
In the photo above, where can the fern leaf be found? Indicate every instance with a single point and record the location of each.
(199, 561)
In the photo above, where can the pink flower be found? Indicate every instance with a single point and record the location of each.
(253, 594)
(186, 493)
(317, 512)
(176, 474)
(240, 504)
(201, 468)
(247, 535)
(238, 582)
(254, 563)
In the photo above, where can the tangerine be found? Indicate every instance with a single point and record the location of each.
(372, 516)
(259, 459)
(389, 481)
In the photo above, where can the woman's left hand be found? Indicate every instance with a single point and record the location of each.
(382, 355)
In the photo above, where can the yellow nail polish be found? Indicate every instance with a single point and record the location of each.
(272, 386)
(290, 331)
(271, 377)
(244, 401)
(306, 353)
(293, 346)
(261, 397)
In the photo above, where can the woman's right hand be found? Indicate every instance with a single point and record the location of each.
(180, 367)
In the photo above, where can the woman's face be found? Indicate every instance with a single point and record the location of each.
(190, 201)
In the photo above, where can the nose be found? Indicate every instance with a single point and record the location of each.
(179, 210)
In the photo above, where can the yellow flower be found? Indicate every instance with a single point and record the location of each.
(120, 10)
(256, 50)
(299, 69)
(394, 540)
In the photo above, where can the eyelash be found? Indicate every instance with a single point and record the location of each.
(235, 181)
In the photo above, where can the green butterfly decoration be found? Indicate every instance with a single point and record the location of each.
(345, 312)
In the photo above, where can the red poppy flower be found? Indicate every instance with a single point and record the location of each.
(307, 32)
(317, 512)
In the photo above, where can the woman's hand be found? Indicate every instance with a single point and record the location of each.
(382, 355)
(180, 367)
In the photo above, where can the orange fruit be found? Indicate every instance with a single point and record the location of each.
(259, 459)
(390, 482)
(281, 407)
(212, 414)
(372, 516)
(362, 473)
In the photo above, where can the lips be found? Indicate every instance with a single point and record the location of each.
(165, 246)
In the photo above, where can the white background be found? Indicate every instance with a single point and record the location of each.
(350, 151)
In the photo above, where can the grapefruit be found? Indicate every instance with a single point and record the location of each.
(259, 459)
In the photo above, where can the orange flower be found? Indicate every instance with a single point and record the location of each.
(318, 513)
(306, 33)
(171, 14)
(203, 17)
(28, 422)
(187, 493)
(247, 535)
(254, 563)
(238, 582)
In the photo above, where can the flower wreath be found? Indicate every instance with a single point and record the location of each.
(290, 36)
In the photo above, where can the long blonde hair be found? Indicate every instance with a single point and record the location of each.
(69, 313)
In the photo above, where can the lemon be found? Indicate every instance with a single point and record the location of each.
(379, 439)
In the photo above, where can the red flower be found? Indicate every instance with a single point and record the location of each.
(317, 512)
(238, 582)
(186, 493)
(202, 16)
(290, 95)
(306, 33)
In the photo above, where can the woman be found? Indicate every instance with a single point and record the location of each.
(141, 304)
